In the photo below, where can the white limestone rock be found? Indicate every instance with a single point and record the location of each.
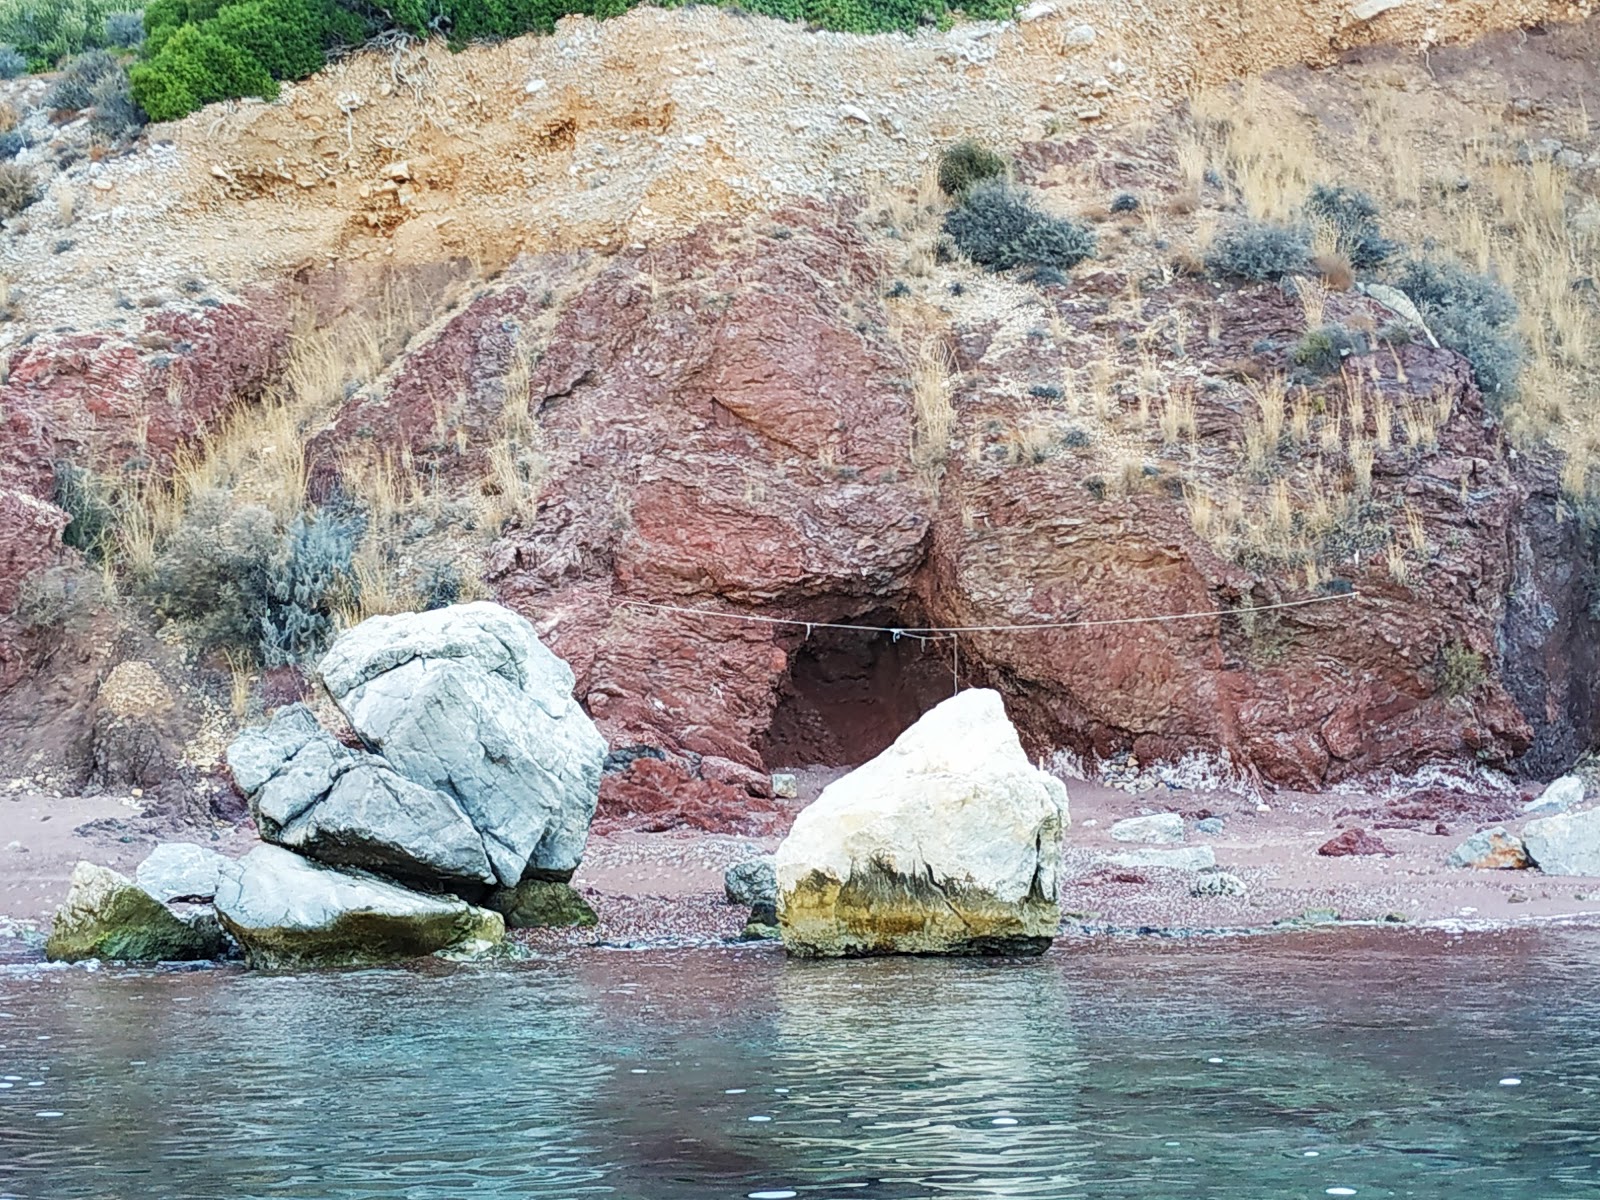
(466, 700)
(947, 842)
(181, 871)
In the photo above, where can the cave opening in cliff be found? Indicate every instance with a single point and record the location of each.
(849, 693)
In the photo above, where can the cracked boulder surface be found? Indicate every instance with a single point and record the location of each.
(949, 842)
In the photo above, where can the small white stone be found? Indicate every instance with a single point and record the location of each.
(1079, 35)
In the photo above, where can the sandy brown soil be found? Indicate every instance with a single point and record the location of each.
(666, 888)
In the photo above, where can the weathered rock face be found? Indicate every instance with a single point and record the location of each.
(289, 912)
(541, 904)
(1566, 844)
(1566, 792)
(1155, 828)
(948, 843)
(750, 456)
(107, 915)
(30, 543)
(348, 808)
(467, 702)
(752, 883)
(181, 871)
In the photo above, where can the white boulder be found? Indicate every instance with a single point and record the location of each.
(1566, 792)
(466, 700)
(287, 911)
(947, 842)
(181, 871)
(1565, 844)
(1175, 858)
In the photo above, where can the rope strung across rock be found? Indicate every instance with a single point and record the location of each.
(939, 632)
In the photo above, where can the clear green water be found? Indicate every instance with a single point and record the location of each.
(1245, 1069)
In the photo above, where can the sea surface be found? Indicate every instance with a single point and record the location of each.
(1325, 1064)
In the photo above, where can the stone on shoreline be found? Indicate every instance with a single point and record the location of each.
(1216, 883)
(468, 701)
(948, 842)
(1163, 828)
(1178, 858)
(107, 915)
(181, 871)
(542, 904)
(1490, 850)
(751, 882)
(1566, 792)
(1352, 842)
(1565, 844)
(287, 911)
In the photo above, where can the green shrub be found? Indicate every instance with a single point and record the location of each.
(12, 64)
(1473, 315)
(18, 189)
(966, 163)
(46, 31)
(11, 144)
(61, 599)
(90, 503)
(1354, 217)
(1324, 350)
(1259, 250)
(998, 227)
(194, 68)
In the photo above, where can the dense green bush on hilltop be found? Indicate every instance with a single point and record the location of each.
(46, 31)
(200, 51)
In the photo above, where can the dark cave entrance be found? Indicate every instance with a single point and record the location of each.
(850, 693)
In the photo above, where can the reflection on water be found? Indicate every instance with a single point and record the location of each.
(1395, 1066)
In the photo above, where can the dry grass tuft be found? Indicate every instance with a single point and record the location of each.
(932, 383)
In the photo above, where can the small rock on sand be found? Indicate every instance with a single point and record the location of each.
(1490, 850)
(1216, 883)
(1352, 842)
(1180, 858)
(1161, 828)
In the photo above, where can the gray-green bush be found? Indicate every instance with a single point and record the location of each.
(1475, 316)
(1354, 217)
(12, 64)
(998, 227)
(1260, 250)
(18, 189)
(89, 500)
(314, 571)
(966, 163)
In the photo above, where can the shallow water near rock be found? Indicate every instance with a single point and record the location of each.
(1348, 1063)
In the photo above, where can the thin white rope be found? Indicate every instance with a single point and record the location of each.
(936, 632)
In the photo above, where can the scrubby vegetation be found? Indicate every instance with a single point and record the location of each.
(999, 227)
(966, 163)
(12, 63)
(1473, 315)
(1352, 216)
(18, 189)
(1260, 250)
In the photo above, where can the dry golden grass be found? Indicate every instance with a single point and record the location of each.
(935, 414)
(1178, 418)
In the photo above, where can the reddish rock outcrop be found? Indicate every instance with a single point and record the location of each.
(1352, 842)
(30, 543)
(725, 423)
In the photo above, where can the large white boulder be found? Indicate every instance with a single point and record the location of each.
(348, 808)
(1565, 844)
(181, 871)
(947, 842)
(287, 911)
(467, 701)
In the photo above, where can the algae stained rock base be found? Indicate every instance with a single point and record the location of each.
(107, 915)
(949, 842)
(289, 912)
